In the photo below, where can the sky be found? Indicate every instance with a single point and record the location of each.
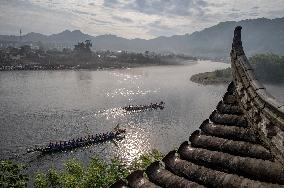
(129, 18)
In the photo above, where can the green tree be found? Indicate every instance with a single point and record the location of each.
(97, 174)
(11, 175)
(268, 67)
(83, 47)
(25, 50)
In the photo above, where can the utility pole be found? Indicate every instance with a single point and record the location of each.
(20, 37)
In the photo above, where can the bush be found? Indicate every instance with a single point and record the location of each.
(145, 160)
(11, 175)
(97, 174)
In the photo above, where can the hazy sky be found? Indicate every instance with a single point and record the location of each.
(129, 18)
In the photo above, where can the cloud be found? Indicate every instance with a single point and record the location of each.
(16, 14)
(157, 28)
(122, 19)
(129, 18)
(161, 7)
(111, 3)
(83, 13)
(101, 22)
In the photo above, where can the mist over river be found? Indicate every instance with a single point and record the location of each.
(37, 107)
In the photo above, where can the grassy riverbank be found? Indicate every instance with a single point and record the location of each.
(215, 77)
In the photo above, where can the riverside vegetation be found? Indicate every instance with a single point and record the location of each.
(81, 57)
(11, 175)
(215, 77)
(269, 68)
(96, 174)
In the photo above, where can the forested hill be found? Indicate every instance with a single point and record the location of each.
(259, 36)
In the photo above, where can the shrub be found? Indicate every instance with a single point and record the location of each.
(145, 160)
(97, 174)
(11, 175)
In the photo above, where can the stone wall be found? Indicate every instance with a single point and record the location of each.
(264, 113)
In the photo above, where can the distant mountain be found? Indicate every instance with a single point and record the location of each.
(69, 37)
(259, 35)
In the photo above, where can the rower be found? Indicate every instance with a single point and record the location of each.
(112, 135)
(50, 144)
(73, 142)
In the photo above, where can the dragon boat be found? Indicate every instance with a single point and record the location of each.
(154, 106)
(118, 134)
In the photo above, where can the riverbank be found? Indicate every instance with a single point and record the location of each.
(26, 58)
(223, 76)
(91, 66)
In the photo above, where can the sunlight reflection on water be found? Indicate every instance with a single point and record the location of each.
(135, 143)
(127, 92)
(38, 107)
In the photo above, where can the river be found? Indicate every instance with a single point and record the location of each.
(37, 107)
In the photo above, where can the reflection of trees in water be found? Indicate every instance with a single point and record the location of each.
(84, 75)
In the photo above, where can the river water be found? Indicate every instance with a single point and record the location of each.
(37, 107)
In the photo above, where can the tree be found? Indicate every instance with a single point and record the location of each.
(83, 47)
(147, 53)
(25, 50)
(88, 45)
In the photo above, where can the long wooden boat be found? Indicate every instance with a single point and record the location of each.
(151, 106)
(118, 134)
